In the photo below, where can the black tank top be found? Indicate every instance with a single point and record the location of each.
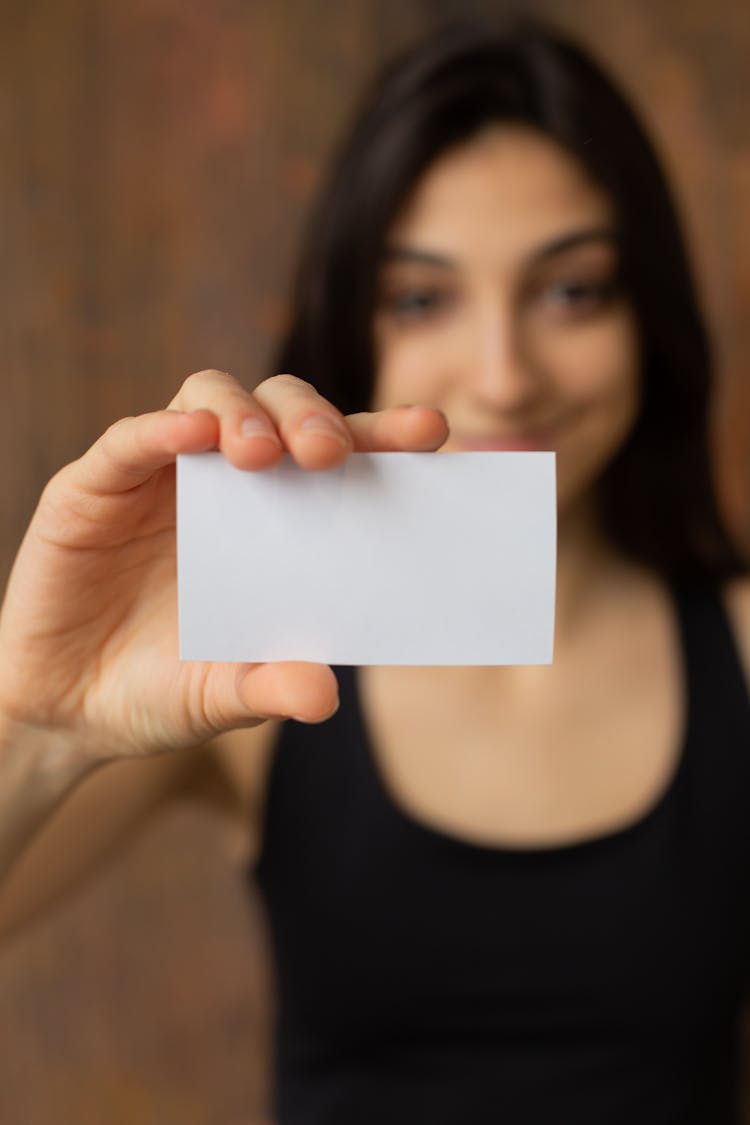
(426, 980)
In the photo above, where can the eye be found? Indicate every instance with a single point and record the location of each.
(415, 303)
(576, 296)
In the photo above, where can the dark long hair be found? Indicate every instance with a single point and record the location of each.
(656, 497)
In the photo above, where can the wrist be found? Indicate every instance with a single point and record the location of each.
(38, 768)
(52, 758)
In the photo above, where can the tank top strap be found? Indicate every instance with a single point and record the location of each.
(718, 698)
(715, 802)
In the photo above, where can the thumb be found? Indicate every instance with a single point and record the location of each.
(286, 690)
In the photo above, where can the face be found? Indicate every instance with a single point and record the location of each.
(499, 303)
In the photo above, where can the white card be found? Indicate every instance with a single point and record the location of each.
(392, 558)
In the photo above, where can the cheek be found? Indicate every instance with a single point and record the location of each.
(410, 368)
(598, 375)
(597, 371)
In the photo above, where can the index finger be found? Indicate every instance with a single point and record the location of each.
(133, 449)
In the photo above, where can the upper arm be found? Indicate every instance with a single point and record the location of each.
(111, 804)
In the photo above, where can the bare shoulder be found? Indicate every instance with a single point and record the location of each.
(233, 782)
(737, 597)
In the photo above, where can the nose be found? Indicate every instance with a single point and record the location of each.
(500, 372)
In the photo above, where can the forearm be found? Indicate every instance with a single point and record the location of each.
(61, 815)
(38, 768)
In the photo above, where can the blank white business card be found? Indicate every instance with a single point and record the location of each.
(392, 558)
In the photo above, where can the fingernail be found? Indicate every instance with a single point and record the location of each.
(252, 426)
(327, 426)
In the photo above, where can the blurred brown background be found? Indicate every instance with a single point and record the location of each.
(156, 157)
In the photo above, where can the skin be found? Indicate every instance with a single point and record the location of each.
(89, 668)
(499, 304)
(99, 663)
(499, 310)
(505, 356)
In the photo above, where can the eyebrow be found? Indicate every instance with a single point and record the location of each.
(570, 241)
(422, 257)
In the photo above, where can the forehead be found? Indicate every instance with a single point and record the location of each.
(499, 196)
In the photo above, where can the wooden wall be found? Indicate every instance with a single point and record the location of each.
(156, 157)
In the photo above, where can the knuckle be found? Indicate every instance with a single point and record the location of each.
(57, 484)
(115, 428)
(213, 390)
(188, 385)
(201, 377)
(293, 382)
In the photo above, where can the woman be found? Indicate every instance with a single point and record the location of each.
(511, 894)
